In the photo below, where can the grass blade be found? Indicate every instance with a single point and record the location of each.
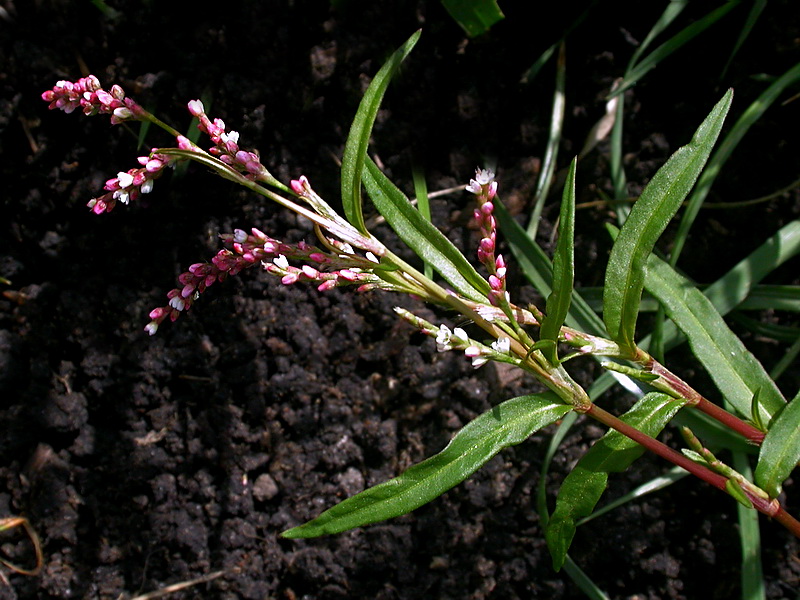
(421, 236)
(752, 573)
(616, 168)
(583, 581)
(553, 141)
(756, 9)
(355, 149)
(780, 450)
(424, 207)
(647, 220)
(475, 16)
(507, 424)
(654, 485)
(726, 148)
(674, 43)
(612, 453)
(560, 298)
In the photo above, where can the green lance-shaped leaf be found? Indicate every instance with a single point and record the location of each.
(612, 453)
(559, 300)
(780, 449)
(507, 424)
(735, 371)
(422, 236)
(657, 205)
(355, 149)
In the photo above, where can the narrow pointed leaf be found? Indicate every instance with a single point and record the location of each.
(648, 218)
(612, 453)
(560, 298)
(422, 236)
(780, 450)
(505, 425)
(735, 371)
(355, 149)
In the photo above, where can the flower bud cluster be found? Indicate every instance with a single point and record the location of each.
(128, 185)
(485, 189)
(226, 144)
(87, 94)
(247, 250)
(330, 270)
(256, 248)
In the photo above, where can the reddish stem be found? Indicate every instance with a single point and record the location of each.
(771, 508)
(684, 390)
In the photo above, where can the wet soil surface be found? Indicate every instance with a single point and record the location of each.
(145, 462)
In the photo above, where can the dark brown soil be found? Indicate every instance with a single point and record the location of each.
(143, 462)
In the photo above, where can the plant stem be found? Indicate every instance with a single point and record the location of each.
(672, 384)
(771, 508)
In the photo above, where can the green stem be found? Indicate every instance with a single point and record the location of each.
(156, 121)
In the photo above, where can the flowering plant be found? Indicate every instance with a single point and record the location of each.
(539, 342)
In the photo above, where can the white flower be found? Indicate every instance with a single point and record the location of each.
(479, 361)
(124, 179)
(196, 108)
(122, 196)
(484, 176)
(443, 339)
(281, 262)
(147, 186)
(122, 113)
(239, 236)
(461, 335)
(502, 345)
(231, 136)
(177, 303)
